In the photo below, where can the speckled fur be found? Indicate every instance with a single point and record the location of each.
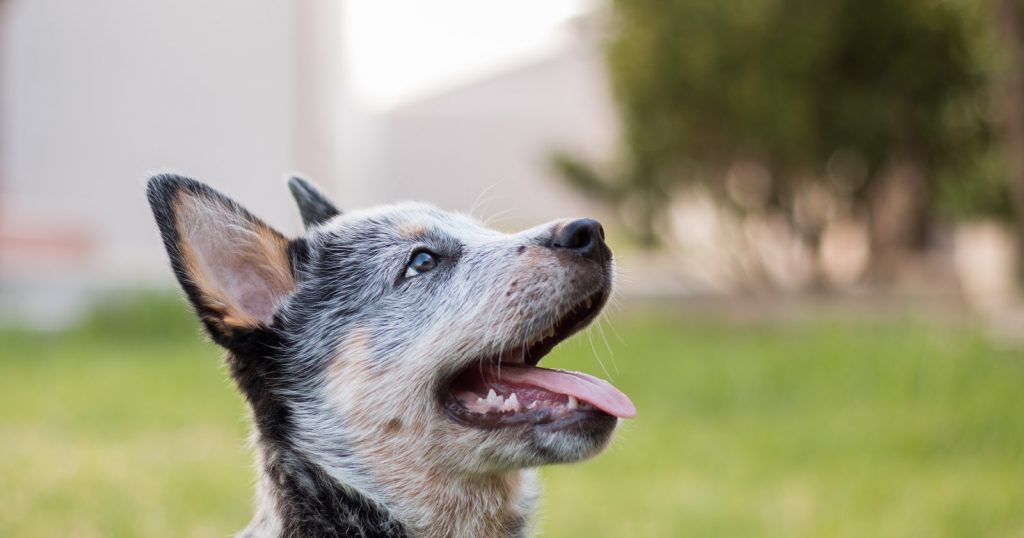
(342, 358)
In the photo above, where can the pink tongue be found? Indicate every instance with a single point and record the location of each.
(596, 392)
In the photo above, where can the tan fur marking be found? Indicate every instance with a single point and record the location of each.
(536, 257)
(351, 358)
(412, 231)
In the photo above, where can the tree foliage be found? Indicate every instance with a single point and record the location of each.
(791, 85)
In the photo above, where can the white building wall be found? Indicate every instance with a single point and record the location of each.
(98, 94)
(95, 96)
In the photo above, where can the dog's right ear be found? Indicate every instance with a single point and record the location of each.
(314, 207)
(235, 269)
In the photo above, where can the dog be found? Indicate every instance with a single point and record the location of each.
(389, 357)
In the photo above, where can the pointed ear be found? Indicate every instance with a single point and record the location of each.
(235, 269)
(314, 207)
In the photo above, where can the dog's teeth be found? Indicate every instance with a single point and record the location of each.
(573, 402)
(511, 404)
(480, 400)
(494, 399)
(532, 404)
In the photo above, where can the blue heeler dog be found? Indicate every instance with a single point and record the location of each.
(390, 358)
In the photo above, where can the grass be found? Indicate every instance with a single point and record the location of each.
(128, 426)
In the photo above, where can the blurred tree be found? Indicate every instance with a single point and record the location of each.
(876, 101)
(1007, 17)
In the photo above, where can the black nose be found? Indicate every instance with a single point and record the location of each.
(584, 237)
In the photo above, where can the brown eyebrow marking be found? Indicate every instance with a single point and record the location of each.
(412, 230)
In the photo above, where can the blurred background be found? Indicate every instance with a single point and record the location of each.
(817, 210)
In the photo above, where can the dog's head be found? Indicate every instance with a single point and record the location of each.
(398, 334)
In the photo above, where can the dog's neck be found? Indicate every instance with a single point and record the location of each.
(297, 498)
(434, 503)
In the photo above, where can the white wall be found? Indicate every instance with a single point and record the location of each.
(492, 140)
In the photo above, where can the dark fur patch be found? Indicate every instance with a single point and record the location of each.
(314, 207)
(393, 426)
(312, 504)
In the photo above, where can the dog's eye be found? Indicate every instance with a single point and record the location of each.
(420, 262)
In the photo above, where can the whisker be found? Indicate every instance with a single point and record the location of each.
(477, 203)
(611, 354)
(615, 308)
(496, 217)
(598, 356)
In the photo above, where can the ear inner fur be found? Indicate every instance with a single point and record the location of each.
(237, 263)
(236, 269)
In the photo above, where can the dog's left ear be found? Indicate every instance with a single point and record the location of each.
(314, 207)
(235, 269)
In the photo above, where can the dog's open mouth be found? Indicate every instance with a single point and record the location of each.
(493, 393)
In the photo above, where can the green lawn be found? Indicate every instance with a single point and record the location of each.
(129, 427)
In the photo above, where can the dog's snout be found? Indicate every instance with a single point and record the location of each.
(583, 236)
